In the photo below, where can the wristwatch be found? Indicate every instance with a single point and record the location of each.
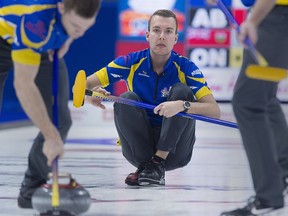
(186, 106)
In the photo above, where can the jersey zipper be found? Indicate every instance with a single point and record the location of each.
(156, 88)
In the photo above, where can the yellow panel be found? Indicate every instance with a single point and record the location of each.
(272, 74)
(282, 2)
(6, 30)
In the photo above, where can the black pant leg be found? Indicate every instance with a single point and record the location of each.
(134, 130)
(178, 133)
(254, 103)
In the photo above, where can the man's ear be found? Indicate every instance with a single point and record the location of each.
(176, 39)
(60, 7)
(147, 36)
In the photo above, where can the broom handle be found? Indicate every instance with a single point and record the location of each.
(151, 107)
(55, 185)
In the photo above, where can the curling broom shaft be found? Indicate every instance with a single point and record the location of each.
(151, 107)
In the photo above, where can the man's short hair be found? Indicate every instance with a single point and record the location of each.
(83, 8)
(163, 13)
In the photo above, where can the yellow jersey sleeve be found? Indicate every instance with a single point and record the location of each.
(26, 57)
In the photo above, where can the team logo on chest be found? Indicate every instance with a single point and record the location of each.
(165, 92)
(37, 29)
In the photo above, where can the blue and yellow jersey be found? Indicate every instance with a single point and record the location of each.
(136, 69)
(31, 27)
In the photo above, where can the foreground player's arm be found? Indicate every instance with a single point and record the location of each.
(260, 10)
(258, 13)
(33, 104)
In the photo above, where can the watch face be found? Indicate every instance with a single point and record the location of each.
(186, 105)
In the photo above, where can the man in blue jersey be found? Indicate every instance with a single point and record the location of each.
(29, 32)
(258, 112)
(155, 141)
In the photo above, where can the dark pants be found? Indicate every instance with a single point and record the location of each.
(37, 162)
(259, 115)
(140, 140)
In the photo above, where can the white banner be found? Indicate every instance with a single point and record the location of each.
(222, 82)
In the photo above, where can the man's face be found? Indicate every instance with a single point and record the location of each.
(162, 35)
(74, 24)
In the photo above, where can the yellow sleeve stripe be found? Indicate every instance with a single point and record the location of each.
(132, 72)
(26, 57)
(113, 65)
(27, 42)
(6, 30)
(103, 77)
(181, 74)
(201, 80)
(23, 9)
(202, 92)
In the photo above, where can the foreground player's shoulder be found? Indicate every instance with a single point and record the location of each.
(36, 28)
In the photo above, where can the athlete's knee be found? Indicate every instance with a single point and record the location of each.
(130, 95)
(180, 91)
(127, 95)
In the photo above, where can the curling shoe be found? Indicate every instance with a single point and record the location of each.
(153, 174)
(27, 189)
(132, 178)
(254, 207)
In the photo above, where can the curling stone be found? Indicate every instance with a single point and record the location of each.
(73, 199)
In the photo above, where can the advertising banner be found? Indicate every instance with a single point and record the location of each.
(134, 16)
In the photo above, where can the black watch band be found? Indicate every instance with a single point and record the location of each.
(186, 106)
